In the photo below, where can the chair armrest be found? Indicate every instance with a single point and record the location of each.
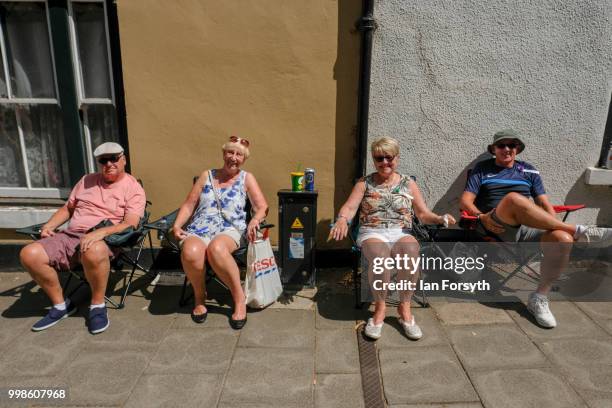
(125, 238)
(467, 221)
(567, 208)
(163, 223)
(466, 216)
(33, 231)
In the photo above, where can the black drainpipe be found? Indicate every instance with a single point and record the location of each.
(607, 142)
(366, 25)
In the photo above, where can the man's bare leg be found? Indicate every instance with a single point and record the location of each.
(556, 247)
(515, 209)
(36, 261)
(96, 266)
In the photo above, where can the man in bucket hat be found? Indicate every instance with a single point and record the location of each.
(499, 193)
(110, 194)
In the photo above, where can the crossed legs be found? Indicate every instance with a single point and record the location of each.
(556, 242)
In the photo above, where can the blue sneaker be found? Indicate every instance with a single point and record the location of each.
(54, 316)
(98, 320)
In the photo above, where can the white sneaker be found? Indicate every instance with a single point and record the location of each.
(538, 307)
(595, 236)
(373, 331)
(412, 330)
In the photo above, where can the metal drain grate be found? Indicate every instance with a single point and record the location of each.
(371, 382)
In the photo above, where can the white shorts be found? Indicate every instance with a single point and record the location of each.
(387, 235)
(233, 233)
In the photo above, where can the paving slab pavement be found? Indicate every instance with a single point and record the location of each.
(338, 391)
(424, 374)
(495, 346)
(532, 387)
(303, 353)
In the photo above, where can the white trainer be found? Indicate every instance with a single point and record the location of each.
(412, 330)
(595, 236)
(373, 331)
(538, 307)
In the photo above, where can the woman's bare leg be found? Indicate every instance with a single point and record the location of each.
(193, 258)
(374, 248)
(223, 263)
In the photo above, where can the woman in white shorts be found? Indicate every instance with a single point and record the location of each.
(216, 217)
(386, 201)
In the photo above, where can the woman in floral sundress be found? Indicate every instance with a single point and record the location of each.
(214, 212)
(387, 201)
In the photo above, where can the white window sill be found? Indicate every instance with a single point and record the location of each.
(596, 176)
(19, 217)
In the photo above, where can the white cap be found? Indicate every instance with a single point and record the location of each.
(108, 148)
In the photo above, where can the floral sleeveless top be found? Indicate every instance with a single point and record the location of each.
(207, 221)
(386, 207)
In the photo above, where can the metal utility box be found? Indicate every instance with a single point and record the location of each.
(297, 217)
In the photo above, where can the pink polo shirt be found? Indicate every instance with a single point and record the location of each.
(92, 200)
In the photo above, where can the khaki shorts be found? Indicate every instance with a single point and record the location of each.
(515, 233)
(233, 233)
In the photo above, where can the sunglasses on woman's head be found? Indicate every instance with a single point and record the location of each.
(379, 159)
(510, 145)
(236, 139)
(112, 159)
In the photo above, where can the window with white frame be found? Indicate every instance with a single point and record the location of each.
(93, 73)
(34, 143)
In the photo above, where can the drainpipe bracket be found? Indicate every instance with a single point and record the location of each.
(366, 23)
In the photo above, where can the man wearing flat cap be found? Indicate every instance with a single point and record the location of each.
(110, 194)
(499, 192)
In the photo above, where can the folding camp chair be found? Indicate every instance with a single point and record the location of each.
(469, 224)
(126, 242)
(523, 260)
(423, 233)
(164, 224)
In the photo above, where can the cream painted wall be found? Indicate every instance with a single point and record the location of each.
(280, 73)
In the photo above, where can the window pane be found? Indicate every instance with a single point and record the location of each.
(28, 50)
(102, 123)
(45, 145)
(11, 164)
(92, 49)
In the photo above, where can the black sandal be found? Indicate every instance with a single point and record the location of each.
(199, 318)
(238, 324)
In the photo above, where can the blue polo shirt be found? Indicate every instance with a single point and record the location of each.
(491, 182)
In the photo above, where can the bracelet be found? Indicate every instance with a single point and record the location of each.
(348, 222)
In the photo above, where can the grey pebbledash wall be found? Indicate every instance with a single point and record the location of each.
(448, 74)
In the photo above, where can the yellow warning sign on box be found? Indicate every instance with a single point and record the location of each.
(297, 224)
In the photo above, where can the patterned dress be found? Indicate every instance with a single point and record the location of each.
(386, 207)
(207, 221)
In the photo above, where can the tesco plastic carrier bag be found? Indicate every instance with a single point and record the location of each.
(262, 285)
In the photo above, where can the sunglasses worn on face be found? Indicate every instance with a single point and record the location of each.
(510, 145)
(379, 159)
(236, 139)
(112, 159)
